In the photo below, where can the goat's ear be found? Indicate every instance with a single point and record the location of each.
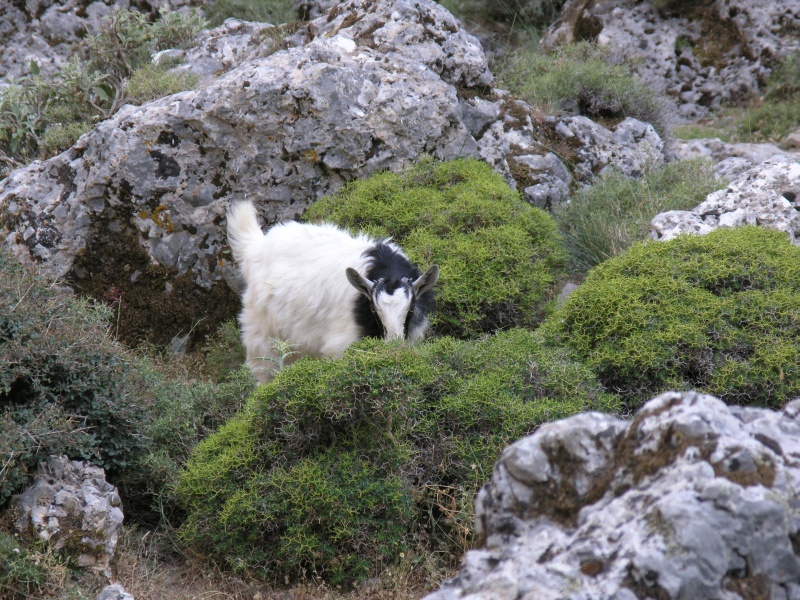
(427, 280)
(358, 281)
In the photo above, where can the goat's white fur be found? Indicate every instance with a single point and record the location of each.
(296, 290)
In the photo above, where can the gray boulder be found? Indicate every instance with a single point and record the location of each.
(767, 195)
(137, 206)
(74, 508)
(722, 54)
(49, 31)
(689, 499)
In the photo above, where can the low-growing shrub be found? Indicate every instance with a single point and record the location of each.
(21, 574)
(584, 79)
(65, 384)
(339, 467)
(603, 220)
(717, 313)
(182, 411)
(500, 258)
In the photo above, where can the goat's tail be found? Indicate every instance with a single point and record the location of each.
(243, 231)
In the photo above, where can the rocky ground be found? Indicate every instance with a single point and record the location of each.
(688, 499)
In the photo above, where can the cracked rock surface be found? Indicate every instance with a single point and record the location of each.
(767, 195)
(690, 499)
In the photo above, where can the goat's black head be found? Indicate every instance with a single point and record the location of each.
(397, 294)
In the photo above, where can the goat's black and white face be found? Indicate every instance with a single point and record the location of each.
(394, 304)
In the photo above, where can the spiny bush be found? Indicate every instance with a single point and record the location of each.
(500, 258)
(338, 467)
(65, 385)
(603, 220)
(584, 79)
(40, 115)
(716, 313)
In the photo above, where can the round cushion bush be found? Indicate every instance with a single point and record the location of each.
(500, 258)
(339, 466)
(718, 313)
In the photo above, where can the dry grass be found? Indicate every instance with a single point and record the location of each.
(151, 567)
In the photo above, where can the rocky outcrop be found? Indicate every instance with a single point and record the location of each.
(716, 150)
(701, 54)
(135, 210)
(48, 31)
(689, 499)
(767, 195)
(74, 508)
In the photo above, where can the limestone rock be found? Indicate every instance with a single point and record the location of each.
(716, 150)
(114, 592)
(689, 499)
(767, 195)
(137, 206)
(72, 506)
(722, 54)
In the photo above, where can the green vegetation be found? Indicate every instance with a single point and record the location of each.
(65, 385)
(21, 574)
(261, 11)
(603, 220)
(500, 258)
(40, 116)
(338, 467)
(150, 82)
(535, 14)
(717, 313)
(584, 79)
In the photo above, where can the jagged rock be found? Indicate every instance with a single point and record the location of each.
(72, 506)
(137, 205)
(48, 31)
(114, 592)
(689, 499)
(767, 195)
(716, 150)
(723, 53)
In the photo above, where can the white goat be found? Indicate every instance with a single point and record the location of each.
(321, 289)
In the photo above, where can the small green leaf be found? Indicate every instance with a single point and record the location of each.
(34, 67)
(103, 91)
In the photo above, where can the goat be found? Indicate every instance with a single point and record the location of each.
(321, 289)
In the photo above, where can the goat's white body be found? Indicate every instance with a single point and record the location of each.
(296, 287)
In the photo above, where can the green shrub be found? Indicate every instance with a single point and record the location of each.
(716, 313)
(261, 11)
(603, 220)
(584, 79)
(21, 575)
(500, 258)
(150, 82)
(181, 413)
(65, 385)
(337, 467)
